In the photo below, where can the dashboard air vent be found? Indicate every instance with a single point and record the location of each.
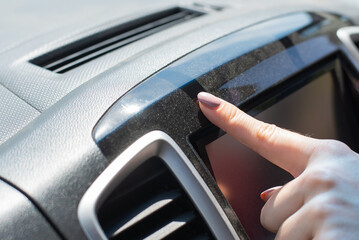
(152, 191)
(77, 53)
(151, 204)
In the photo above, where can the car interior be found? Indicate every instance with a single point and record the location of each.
(101, 135)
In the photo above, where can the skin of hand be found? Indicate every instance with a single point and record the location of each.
(322, 202)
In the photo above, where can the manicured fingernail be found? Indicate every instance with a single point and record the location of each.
(208, 100)
(268, 193)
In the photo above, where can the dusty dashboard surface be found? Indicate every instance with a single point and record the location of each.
(76, 97)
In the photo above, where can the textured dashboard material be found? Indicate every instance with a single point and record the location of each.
(55, 159)
(42, 88)
(20, 219)
(14, 114)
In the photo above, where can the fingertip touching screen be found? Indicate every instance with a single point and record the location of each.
(241, 174)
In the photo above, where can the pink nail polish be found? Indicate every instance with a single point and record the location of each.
(208, 100)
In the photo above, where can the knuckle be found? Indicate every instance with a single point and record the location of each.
(319, 179)
(329, 234)
(321, 210)
(266, 132)
(266, 219)
(326, 207)
(334, 147)
(336, 229)
(234, 116)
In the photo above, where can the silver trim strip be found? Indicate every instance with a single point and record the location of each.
(344, 34)
(159, 144)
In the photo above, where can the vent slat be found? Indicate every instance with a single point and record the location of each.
(151, 204)
(86, 57)
(75, 54)
(139, 185)
(193, 229)
(171, 227)
(150, 208)
(141, 32)
(153, 222)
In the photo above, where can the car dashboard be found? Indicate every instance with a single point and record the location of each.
(101, 133)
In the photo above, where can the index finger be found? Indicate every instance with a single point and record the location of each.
(288, 150)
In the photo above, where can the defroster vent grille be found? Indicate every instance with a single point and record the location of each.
(84, 50)
(151, 204)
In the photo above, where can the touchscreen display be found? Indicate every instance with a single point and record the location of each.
(242, 175)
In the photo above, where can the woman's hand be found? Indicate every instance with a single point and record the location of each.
(322, 202)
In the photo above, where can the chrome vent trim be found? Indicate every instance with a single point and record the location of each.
(84, 50)
(349, 36)
(155, 145)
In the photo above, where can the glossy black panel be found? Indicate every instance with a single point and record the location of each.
(234, 67)
(247, 67)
